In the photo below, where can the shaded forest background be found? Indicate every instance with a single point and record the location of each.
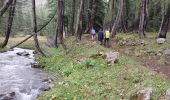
(77, 17)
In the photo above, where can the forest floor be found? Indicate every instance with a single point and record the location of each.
(148, 52)
(81, 77)
(78, 76)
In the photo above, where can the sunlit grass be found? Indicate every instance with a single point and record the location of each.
(29, 44)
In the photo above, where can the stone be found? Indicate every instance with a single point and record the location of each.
(23, 53)
(96, 55)
(51, 42)
(35, 52)
(159, 53)
(45, 87)
(83, 59)
(160, 40)
(167, 52)
(145, 94)
(47, 80)
(112, 57)
(35, 65)
(167, 94)
(9, 96)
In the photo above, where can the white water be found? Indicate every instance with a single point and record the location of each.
(16, 75)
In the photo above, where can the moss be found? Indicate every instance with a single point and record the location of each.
(3, 49)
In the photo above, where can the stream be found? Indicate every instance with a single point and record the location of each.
(18, 81)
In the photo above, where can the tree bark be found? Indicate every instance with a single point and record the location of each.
(123, 20)
(5, 7)
(59, 23)
(78, 27)
(118, 21)
(32, 34)
(90, 16)
(34, 21)
(9, 25)
(73, 17)
(165, 23)
(142, 18)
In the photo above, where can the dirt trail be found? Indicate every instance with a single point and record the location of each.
(149, 62)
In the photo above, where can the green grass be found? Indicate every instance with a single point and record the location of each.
(3, 49)
(93, 79)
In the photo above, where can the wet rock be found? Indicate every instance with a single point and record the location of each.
(9, 96)
(160, 40)
(47, 80)
(35, 65)
(112, 57)
(167, 52)
(25, 91)
(167, 94)
(23, 53)
(45, 87)
(35, 52)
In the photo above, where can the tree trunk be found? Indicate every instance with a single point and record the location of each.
(123, 20)
(5, 7)
(34, 21)
(142, 18)
(165, 23)
(118, 21)
(73, 17)
(78, 27)
(9, 25)
(90, 16)
(32, 34)
(59, 23)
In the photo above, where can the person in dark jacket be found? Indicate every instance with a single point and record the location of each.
(101, 36)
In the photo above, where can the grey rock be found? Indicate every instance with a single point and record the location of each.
(112, 57)
(45, 87)
(25, 91)
(9, 96)
(168, 94)
(35, 52)
(47, 80)
(23, 53)
(35, 65)
(51, 41)
(145, 93)
(160, 40)
(167, 52)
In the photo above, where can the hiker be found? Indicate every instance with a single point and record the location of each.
(101, 36)
(107, 38)
(93, 32)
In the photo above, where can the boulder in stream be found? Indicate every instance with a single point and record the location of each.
(35, 65)
(47, 80)
(24, 53)
(9, 96)
(45, 87)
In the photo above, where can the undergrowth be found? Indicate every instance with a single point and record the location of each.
(82, 77)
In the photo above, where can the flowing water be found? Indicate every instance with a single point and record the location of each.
(17, 76)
